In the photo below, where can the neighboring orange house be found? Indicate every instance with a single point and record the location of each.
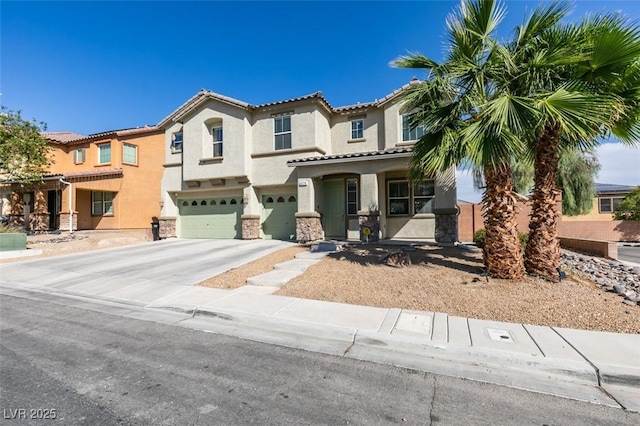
(113, 179)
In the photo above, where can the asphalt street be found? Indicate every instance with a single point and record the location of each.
(97, 368)
(629, 252)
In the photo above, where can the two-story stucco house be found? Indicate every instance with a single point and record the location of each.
(109, 180)
(298, 169)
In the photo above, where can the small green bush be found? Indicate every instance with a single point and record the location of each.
(480, 236)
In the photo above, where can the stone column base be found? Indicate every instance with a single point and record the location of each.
(369, 222)
(64, 221)
(446, 226)
(250, 226)
(39, 221)
(308, 227)
(167, 227)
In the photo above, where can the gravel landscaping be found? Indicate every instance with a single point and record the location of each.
(598, 294)
(449, 280)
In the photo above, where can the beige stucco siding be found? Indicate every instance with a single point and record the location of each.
(341, 141)
(199, 162)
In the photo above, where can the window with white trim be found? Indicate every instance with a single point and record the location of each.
(398, 196)
(423, 195)
(404, 199)
(79, 155)
(101, 203)
(410, 133)
(282, 132)
(104, 153)
(216, 135)
(176, 142)
(130, 154)
(352, 197)
(357, 129)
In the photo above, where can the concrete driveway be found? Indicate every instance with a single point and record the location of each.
(138, 272)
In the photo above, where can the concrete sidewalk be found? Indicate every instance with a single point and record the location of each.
(591, 366)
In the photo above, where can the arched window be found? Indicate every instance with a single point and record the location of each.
(203, 202)
(213, 203)
(184, 204)
(269, 200)
(233, 201)
(292, 199)
(281, 199)
(223, 202)
(194, 203)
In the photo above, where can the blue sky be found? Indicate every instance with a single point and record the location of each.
(89, 67)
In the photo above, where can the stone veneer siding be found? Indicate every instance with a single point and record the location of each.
(167, 227)
(371, 220)
(446, 226)
(64, 221)
(250, 227)
(308, 227)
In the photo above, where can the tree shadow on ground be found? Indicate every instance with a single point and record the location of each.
(449, 257)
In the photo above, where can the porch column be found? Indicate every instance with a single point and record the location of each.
(369, 213)
(251, 214)
(39, 218)
(308, 225)
(445, 208)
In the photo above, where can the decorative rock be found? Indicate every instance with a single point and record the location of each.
(609, 275)
(629, 302)
(619, 288)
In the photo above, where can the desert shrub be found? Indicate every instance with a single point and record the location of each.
(10, 229)
(480, 236)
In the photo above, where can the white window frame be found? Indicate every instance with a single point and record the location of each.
(217, 136)
(427, 199)
(124, 148)
(390, 199)
(352, 205)
(411, 198)
(283, 133)
(408, 134)
(102, 203)
(357, 129)
(100, 147)
(174, 149)
(79, 152)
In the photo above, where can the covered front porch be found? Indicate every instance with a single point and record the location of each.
(368, 197)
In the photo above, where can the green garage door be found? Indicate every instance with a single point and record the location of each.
(279, 216)
(210, 218)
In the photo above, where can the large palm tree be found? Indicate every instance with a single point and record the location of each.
(470, 120)
(584, 81)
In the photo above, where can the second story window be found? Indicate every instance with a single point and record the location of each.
(216, 133)
(357, 129)
(104, 153)
(129, 154)
(79, 155)
(410, 133)
(282, 132)
(176, 142)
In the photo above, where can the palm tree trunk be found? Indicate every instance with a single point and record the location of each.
(542, 255)
(503, 254)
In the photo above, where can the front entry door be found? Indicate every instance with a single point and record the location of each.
(333, 208)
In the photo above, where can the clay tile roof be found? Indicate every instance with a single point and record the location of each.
(93, 173)
(315, 95)
(355, 107)
(397, 151)
(62, 137)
